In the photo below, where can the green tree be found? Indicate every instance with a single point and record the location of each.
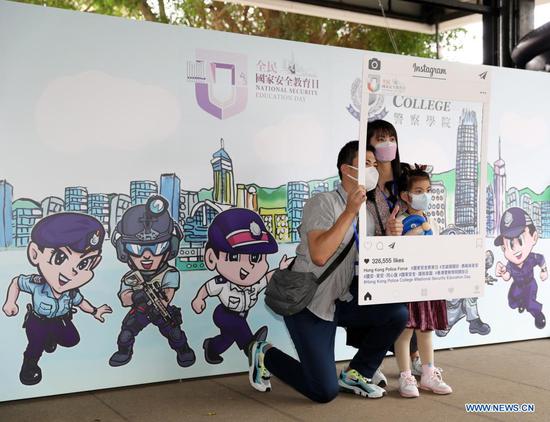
(249, 20)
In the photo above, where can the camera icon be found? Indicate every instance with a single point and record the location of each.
(374, 64)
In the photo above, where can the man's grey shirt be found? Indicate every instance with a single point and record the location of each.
(320, 213)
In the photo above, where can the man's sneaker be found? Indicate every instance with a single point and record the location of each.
(379, 378)
(353, 382)
(477, 326)
(261, 334)
(435, 383)
(416, 367)
(258, 375)
(408, 386)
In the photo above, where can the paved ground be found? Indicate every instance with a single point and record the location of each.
(505, 373)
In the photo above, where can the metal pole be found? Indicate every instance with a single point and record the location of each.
(526, 18)
(437, 45)
(491, 34)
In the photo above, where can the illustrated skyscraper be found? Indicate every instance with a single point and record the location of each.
(512, 198)
(25, 214)
(490, 212)
(276, 222)
(466, 191)
(141, 190)
(170, 188)
(117, 205)
(6, 199)
(437, 208)
(297, 195)
(545, 219)
(527, 203)
(76, 199)
(188, 199)
(247, 197)
(99, 207)
(499, 186)
(52, 205)
(224, 184)
(537, 216)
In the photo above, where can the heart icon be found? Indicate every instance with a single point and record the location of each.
(366, 260)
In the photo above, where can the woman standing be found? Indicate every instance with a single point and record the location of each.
(381, 202)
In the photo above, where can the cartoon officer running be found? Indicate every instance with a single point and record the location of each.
(65, 249)
(518, 236)
(237, 248)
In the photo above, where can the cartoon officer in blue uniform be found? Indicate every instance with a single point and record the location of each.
(65, 249)
(518, 236)
(237, 248)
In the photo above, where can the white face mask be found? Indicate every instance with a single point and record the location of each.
(421, 201)
(371, 177)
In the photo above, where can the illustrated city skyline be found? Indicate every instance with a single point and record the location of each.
(281, 207)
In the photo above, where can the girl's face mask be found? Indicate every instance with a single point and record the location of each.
(420, 201)
(371, 177)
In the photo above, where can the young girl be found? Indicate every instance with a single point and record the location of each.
(424, 317)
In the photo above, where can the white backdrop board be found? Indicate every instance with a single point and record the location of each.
(97, 114)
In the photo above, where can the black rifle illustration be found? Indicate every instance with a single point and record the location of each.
(156, 296)
(156, 299)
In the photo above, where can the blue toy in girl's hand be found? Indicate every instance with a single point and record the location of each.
(416, 225)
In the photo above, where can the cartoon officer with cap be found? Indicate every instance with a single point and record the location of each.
(237, 249)
(65, 249)
(146, 239)
(518, 236)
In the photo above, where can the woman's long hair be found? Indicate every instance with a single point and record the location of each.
(383, 127)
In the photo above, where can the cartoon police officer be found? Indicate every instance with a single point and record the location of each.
(65, 249)
(518, 236)
(237, 248)
(146, 239)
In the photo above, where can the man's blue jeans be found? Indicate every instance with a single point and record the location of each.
(314, 375)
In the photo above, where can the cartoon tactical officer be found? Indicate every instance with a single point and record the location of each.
(518, 236)
(237, 249)
(65, 249)
(146, 239)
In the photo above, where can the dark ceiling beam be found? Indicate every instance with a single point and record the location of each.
(453, 15)
(456, 5)
(366, 10)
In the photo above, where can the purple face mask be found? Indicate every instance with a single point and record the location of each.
(385, 151)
